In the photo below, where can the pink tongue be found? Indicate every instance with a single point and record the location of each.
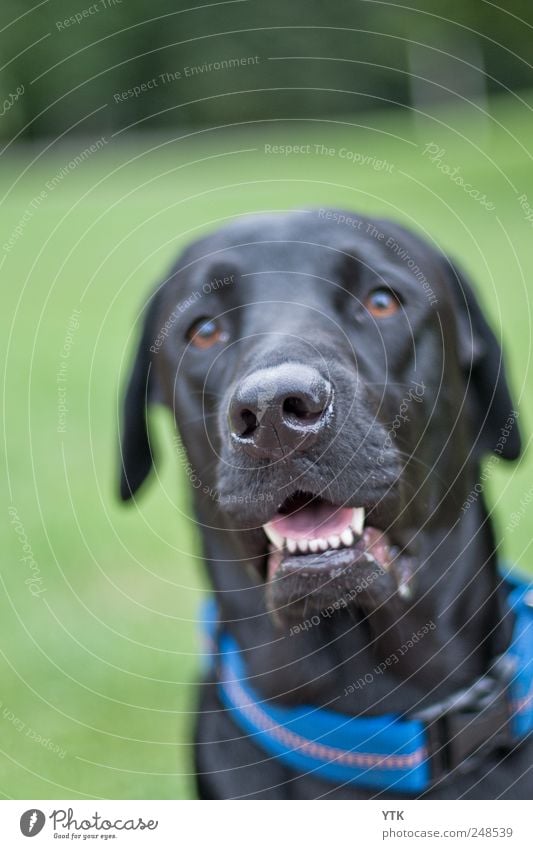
(315, 521)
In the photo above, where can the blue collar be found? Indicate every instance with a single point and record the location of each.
(392, 752)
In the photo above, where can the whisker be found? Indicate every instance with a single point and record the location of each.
(200, 418)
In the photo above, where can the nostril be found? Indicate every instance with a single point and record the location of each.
(279, 409)
(242, 420)
(249, 422)
(301, 409)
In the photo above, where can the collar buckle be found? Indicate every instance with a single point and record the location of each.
(458, 735)
(457, 738)
(464, 727)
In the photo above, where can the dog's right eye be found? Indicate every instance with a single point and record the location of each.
(205, 332)
(382, 303)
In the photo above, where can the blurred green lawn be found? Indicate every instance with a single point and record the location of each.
(102, 662)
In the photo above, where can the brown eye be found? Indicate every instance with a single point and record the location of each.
(381, 303)
(205, 333)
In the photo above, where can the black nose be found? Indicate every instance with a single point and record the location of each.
(280, 409)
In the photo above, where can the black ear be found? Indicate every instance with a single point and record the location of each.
(490, 407)
(135, 446)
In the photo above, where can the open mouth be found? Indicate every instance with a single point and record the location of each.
(308, 532)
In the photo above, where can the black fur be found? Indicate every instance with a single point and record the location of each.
(297, 284)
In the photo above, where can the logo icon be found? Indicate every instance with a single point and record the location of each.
(32, 822)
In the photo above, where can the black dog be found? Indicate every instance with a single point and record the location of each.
(336, 386)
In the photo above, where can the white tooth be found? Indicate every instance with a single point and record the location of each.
(347, 537)
(313, 544)
(274, 536)
(302, 545)
(404, 591)
(358, 520)
(334, 542)
(323, 544)
(292, 545)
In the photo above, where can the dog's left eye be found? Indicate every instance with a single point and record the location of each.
(382, 302)
(205, 333)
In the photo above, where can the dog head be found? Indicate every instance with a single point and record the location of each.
(335, 385)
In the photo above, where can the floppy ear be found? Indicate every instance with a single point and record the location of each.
(493, 415)
(135, 446)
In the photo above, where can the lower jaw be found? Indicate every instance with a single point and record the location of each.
(367, 575)
(372, 547)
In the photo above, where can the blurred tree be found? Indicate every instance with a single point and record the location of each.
(314, 58)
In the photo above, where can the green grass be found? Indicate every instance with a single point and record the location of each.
(103, 662)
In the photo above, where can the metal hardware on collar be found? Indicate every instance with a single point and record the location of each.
(528, 598)
(404, 754)
(458, 736)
